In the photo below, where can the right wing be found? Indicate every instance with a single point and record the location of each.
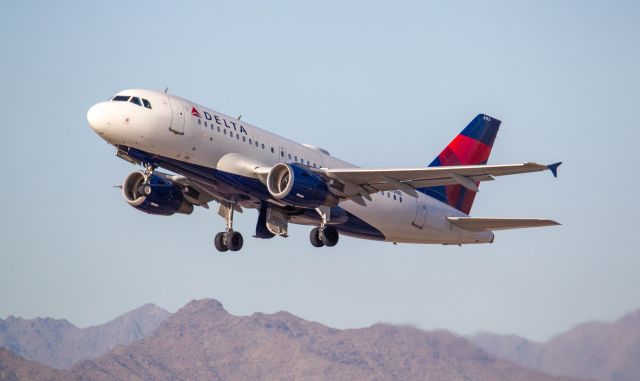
(366, 181)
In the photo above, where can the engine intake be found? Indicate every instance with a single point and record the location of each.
(295, 185)
(154, 194)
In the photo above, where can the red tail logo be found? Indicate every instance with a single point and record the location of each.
(195, 112)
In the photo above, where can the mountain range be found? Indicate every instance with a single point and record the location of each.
(605, 351)
(59, 344)
(202, 341)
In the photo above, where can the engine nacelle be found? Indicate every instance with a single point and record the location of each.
(297, 186)
(154, 195)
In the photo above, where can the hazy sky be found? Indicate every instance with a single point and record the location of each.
(377, 84)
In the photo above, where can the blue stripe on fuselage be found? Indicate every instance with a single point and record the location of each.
(240, 188)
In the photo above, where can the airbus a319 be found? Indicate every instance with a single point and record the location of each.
(208, 156)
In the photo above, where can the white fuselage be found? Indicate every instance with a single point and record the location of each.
(169, 129)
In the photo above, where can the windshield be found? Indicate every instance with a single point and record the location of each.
(121, 98)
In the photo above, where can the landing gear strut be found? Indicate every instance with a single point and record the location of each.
(228, 239)
(325, 235)
(144, 188)
(148, 169)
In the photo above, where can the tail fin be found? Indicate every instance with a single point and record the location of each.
(472, 146)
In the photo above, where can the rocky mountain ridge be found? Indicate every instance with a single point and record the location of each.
(59, 344)
(202, 341)
(604, 351)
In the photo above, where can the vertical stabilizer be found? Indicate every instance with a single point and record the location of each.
(471, 147)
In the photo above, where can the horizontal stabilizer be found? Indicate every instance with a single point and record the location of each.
(482, 223)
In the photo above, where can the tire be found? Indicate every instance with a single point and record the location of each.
(218, 241)
(314, 237)
(330, 236)
(234, 241)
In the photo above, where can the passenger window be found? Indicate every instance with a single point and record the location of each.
(289, 156)
(282, 153)
(136, 100)
(237, 136)
(218, 128)
(250, 141)
(199, 121)
(205, 123)
(394, 196)
(262, 145)
(146, 103)
(272, 150)
(295, 159)
(225, 132)
(256, 143)
(244, 139)
(121, 98)
(308, 163)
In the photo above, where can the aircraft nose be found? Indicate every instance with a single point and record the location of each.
(98, 118)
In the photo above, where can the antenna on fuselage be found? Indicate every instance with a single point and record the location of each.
(239, 116)
(166, 89)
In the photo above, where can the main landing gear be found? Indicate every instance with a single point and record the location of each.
(325, 235)
(228, 239)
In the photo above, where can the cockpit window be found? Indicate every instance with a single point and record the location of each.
(146, 103)
(121, 98)
(136, 100)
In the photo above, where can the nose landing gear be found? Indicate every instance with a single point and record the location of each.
(229, 239)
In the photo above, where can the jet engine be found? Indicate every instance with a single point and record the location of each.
(296, 186)
(154, 194)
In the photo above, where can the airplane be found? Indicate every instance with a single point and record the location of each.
(210, 156)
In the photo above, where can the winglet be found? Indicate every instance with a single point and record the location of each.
(554, 168)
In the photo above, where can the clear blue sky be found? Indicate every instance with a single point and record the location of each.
(378, 84)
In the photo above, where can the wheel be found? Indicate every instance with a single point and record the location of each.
(219, 242)
(330, 236)
(234, 241)
(314, 237)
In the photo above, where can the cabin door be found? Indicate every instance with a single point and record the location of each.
(421, 213)
(177, 116)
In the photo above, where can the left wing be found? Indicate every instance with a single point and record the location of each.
(353, 181)
(192, 191)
